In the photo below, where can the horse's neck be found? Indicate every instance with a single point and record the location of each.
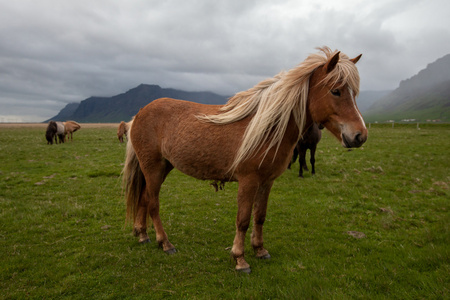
(292, 132)
(308, 121)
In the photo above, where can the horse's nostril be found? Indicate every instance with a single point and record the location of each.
(359, 139)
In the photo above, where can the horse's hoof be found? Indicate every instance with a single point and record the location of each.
(267, 256)
(244, 270)
(144, 241)
(171, 251)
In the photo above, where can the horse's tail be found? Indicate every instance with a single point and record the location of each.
(133, 181)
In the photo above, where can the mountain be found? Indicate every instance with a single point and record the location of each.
(367, 98)
(124, 106)
(65, 113)
(421, 97)
(424, 96)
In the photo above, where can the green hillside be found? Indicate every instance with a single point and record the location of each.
(430, 104)
(425, 96)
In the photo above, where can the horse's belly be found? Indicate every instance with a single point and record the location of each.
(199, 158)
(203, 172)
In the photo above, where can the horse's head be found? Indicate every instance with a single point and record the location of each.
(333, 89)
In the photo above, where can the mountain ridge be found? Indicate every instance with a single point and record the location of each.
(124, 106)
(422, 97)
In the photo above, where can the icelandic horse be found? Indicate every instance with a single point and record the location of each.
(250, 139)
(60, 132)
(122, 130)
(69, 128)
(309, 140)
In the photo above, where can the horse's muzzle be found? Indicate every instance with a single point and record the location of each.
(354, 142)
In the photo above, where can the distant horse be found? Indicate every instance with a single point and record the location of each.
(309, 141)
(69, 128)
(122, 130)
(50, 132)
(250, 140)
(60, 132)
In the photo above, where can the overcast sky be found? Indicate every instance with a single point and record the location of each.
(56, 52)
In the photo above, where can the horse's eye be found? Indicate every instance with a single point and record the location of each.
(336, 92)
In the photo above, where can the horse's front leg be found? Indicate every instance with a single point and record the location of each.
(246, 194)
(259, 216)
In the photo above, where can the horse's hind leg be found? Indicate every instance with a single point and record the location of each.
(140, 221)
(154, 180)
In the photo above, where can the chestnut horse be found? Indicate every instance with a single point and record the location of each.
(69, 128)
(50, 132)
(309, 141)
(122, 130)
(250, 140)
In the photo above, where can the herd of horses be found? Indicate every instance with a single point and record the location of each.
(252, 139)
(60, 130)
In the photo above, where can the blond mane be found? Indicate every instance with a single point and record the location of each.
(272, 101)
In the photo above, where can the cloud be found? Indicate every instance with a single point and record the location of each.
(53, 53)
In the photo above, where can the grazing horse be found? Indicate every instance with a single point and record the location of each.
(122, 130)
(60, 132)
(309, 141)
(69, 128)
(250, 139)
(50, 133)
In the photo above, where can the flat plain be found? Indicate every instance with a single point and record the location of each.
(372, 223)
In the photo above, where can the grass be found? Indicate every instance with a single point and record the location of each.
(63, 232)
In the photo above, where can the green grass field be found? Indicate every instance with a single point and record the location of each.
(63, 231)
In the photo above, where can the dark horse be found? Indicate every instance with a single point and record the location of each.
(250, 140)
(309, 141)
(50, 133)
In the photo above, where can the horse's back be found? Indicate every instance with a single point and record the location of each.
(175, 107)
(174, 114)
(71, 126)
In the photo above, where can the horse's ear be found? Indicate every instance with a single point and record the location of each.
(329, 66)
(355, 60)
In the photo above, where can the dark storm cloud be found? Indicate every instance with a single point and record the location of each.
(56, 52)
